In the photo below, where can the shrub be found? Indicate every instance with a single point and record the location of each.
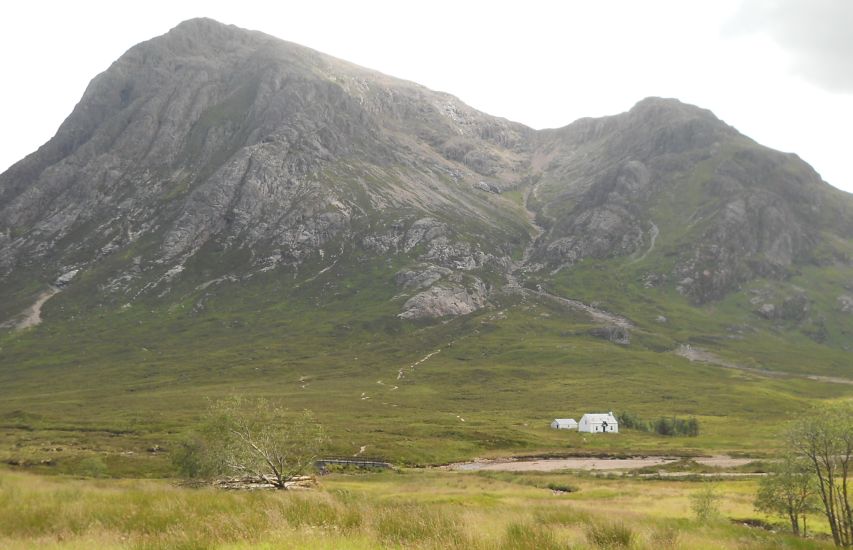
(664, 426)
(251, 437)
(632, 421)
(669, 426)
(704, 504)
(188, 458)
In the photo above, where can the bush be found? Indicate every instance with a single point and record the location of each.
(704, 504)
(632, 421)
(251, 437)
(669, 426)
(188, 459)
(676, 426)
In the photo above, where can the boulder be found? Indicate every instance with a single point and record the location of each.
(445, 300)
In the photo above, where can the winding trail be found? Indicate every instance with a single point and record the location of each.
(598, 315)
(703, 356)
(32, 315)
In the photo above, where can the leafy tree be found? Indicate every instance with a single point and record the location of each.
(824, 439)
(251, 438)
(632, 421)
(664, 426)
(790, 491)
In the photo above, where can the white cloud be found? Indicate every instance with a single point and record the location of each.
(816, 34)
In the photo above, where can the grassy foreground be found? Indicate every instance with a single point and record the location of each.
(412, 509)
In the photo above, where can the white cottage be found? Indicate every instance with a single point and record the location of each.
(564, 424)
(598, 423)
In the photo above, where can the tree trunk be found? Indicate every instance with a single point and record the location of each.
(795, 523)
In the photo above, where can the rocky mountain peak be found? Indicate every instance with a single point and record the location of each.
(663, 110)
(212, 142)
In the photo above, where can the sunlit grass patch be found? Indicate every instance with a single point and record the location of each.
(418, 509)
(611, 535)
(530, 536)
(409, 524)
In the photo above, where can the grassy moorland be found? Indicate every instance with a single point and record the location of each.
(101, 381)
(412, 509)
(98, 396)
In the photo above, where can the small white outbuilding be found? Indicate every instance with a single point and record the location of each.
(598, 423)
(564, 424)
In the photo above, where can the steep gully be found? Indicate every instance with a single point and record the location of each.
(513, 284)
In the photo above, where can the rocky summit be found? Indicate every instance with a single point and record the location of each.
(212, 139)
(241, 190)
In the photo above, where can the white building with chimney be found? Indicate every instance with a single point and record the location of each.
(598, 423)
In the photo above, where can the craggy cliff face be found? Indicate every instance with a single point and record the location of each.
(212, 154)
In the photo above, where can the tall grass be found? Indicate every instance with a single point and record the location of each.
(664, 537)
(410, 524)
(415, 510)
(610, 536)
(526, 536)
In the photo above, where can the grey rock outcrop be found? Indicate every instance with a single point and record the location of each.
(742, 211)
(768, 311)
(442, 300)
(212, 140)
(213, 153)
(421, 276)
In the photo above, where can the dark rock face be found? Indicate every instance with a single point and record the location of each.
(213, 141)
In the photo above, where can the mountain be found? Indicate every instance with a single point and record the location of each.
(224, 209)
(212, 139)
(725, 209)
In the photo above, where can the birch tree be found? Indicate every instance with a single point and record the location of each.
(254, 438)
(824, 438)
(790, 491)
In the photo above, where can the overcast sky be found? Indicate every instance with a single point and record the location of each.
(780, 71)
